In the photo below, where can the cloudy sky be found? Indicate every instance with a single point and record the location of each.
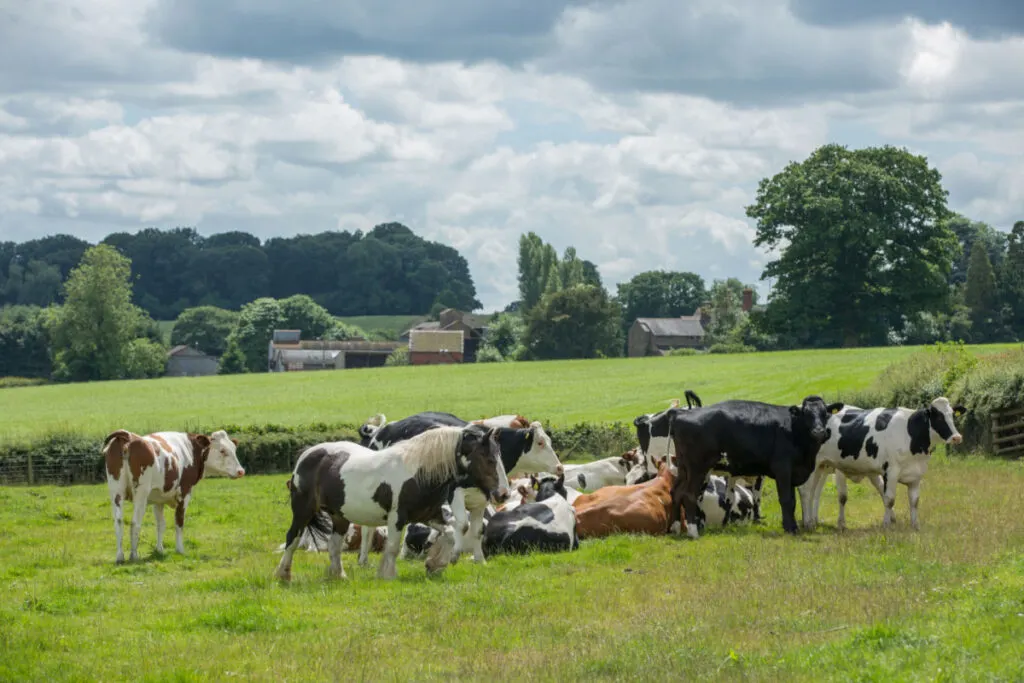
(636, 130)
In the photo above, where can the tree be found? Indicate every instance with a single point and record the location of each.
(205, 328)
(24, 343)
(97, 322)
(968, 233)
(505, 335)
(661, 294)
(531, 282)
(570, 271)
(1012, 279)
(581, 322)
(980, 293)
(143, 358)
(35, 284)
(591, 276)
(300, 312)
(256, 324)
(863, 240)
(727, 315)
(232, 362)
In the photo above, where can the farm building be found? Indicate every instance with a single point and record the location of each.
(436, 347)
(473, 327)
(657, 336)
(185, 361)
(288, 352)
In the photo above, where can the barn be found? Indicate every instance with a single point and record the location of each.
(436, 347)
(185, 361)
(473, 327)
(287, 352)
(658, 336)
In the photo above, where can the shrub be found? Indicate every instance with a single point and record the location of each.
(683, 351)
(14, 382)
(995, 383)
(489, 354)
(731, 347)
(399, 356)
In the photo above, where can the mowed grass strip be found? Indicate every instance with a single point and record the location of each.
(559, 393)
(748, 603)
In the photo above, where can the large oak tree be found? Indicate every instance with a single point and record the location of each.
(862, 240)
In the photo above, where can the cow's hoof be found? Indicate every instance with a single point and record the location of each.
(676, 528)
(691, 531)
(119, 559)
(285, 576)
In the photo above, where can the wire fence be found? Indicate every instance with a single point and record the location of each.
(72, 468)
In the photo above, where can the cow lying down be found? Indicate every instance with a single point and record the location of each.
(545, 524)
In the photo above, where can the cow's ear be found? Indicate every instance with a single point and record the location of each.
(234, 441)
(523, 491)
(835, 408)
(795, 411)
(959, 410)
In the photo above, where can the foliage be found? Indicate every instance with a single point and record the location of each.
(505, 336)
(205, 328)
(660, 294)
(969, 233)
(980, 294)
(340, 331)
(683, 351)
(996, 382)
(727, 314)
(581, 322)
(232, 362)
(388, 270)
(733, 347)
(144, 358)
(92, 329)
(24, 342)
(1012, 280)
(489, 354)
(399, 356)
(300, 312)
(863, 239)
(9, 382)
(256, 324)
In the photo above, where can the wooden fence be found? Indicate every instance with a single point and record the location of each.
(1008, 432)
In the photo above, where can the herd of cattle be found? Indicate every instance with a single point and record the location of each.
(433, 485)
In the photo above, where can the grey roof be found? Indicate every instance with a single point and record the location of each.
(307, 356)
(287, 336)
(673, 327)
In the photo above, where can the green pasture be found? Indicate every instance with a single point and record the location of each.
(559, 393)
(945, 603)
(389, 323)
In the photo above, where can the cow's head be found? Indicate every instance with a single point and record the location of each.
(539, 455)
(479, 462)
(369, 428)
(940, 419)
(812, 415)
(222, 459)
(549, 486)
(631, 459)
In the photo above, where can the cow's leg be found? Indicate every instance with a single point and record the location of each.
(302, 514)
(365, 541)
(179, 524)
(476, 535)
(841, 490)
(819, 489)
(787, 494)
(913, 496)
(388, 568)
(335, 570)
(140, 494)
(461, 522)
(441, 552)
(686, 494)
(161, 525)
(806, 492)
(116, 489)
(889, 481)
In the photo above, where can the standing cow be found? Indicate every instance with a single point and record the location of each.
(890, 444)
(159, 469)
(757, 440)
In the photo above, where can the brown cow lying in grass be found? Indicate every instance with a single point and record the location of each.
(639, 508)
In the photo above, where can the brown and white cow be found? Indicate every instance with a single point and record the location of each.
(508, 421)
(638, 508)
(162, 468)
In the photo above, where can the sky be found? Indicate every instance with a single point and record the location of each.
(635, 131)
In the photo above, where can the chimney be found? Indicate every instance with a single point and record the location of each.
(748, 299)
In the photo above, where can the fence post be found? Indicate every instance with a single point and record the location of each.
(31, 473)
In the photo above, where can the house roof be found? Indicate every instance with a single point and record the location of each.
(474, 322)
(287, 336)
(306, 356)
(347, 345)
(686, 326)
(185, 350)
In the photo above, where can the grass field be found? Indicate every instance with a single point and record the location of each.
(390, 323)
(944, 603)
(558, 392)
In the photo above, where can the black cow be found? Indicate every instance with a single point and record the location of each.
(406, 428)
(757, 440)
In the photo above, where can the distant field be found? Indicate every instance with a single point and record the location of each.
(748, 604)
(166, 326)
(558, 392)
(390, 323)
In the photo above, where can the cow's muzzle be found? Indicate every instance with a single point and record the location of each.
(956, 439)
(499, 496)
(559, 471)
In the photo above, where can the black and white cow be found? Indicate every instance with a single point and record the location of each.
(890, 444)
(612, 471)
(546, 525)
(522, 450)
(718, 508)
(757, 440)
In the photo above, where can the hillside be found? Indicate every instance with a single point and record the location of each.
(557, 392)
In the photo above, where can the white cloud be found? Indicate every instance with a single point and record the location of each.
(633, 133)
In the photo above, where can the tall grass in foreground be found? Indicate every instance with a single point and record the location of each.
(944, 603)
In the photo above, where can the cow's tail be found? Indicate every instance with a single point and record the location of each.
(692, 399)
(115, 443)
(319, 526)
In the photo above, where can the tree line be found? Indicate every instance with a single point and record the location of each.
(386, 271)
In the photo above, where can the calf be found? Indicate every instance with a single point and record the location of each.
(599, 473)
(162, 468)
(756, 439)
(892, 443)
(546, 525)
(641, 508)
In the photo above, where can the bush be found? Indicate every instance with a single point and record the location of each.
(995, 383)
(731, 347)
(683, 351)
(14, 382)
(143, 358)
(399, 356)
(489, 354)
